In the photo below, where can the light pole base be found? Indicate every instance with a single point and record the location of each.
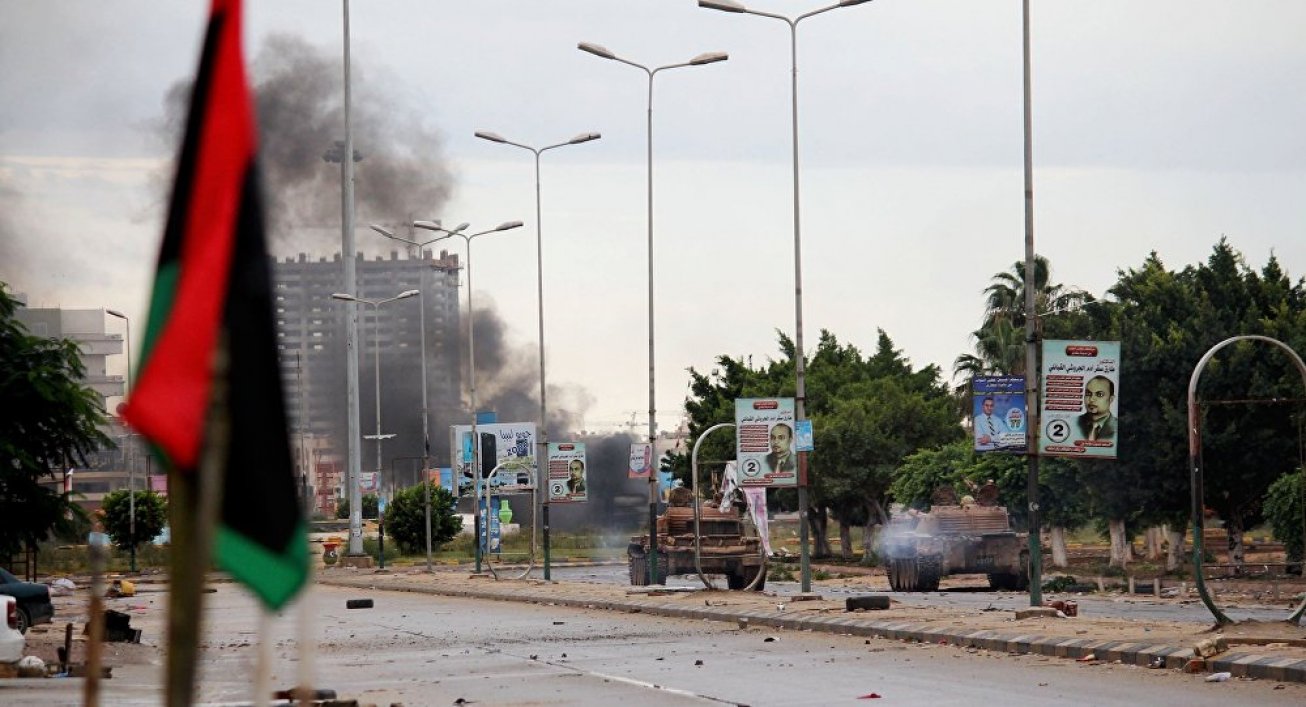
(357, 561)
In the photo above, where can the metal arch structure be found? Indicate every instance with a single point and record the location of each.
(530, 563)
(1194, 455)
(698, 533)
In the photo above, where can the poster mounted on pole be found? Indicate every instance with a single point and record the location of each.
(568, 472)
(641, 460)
(1080, 402)
(764, 442)
(998, 413)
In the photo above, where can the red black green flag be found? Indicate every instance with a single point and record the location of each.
(210, 343)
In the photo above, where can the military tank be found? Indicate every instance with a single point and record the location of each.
(966, 536)
(724, 549)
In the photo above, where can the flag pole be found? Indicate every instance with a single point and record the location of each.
(95, 642)
(193, 505)
(263, 663)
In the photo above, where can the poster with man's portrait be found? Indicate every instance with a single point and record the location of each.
(568, 472)
(998, 415)
(1081, 386)
(764, 439)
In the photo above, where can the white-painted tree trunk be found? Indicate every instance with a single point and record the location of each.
(1174, 559)
(1237, 549)
(1152, 543)
(1120, 550)
(1057, 535)
(869, 543)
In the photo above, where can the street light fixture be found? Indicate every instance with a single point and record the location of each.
(542, 443)
(471, 358)
(800, 372)
(426, 425)
(700, 60)
(376, 329)
(131, 466)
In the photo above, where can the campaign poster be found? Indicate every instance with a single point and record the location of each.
(764, 439)
(641, 460)
(568, 472)
(369, 481)
(999, 413)
(507, 450)
(1080, 410)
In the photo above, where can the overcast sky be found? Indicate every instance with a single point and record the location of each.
(1157, 126)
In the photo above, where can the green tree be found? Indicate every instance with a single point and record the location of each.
(1167, 321)
(887, 412)
(867, 413)
(1000, 340)
(370, 502)
(48, 421)
(151, 517)
(1285, 508)
(405, 517)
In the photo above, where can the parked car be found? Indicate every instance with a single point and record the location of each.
(34, 605)
(12, 642)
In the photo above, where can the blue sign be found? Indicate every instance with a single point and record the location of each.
(999, 414)
(803, 435)
(487, 417)
(490, 526)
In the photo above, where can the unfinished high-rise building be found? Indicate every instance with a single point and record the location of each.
(311, 343)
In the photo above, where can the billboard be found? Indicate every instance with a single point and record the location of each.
(764, 439)
(998, 413)
(1079, 415)
(568, 472)
(508, 447)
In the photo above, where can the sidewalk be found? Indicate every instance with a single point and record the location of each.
(1270, 651)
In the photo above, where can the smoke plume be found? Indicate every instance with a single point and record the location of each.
(399, 172)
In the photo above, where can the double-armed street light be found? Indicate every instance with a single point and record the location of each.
(707, 58)
(542, 443)
(376, 329)
(426, 426)
(800, 372)
(471, 356)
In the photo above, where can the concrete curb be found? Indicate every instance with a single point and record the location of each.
(1128, 653)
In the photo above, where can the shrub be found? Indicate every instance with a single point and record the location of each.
(405, 517)
(1283, 508)
(370, 503)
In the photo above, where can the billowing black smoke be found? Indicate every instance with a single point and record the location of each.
(400, 173)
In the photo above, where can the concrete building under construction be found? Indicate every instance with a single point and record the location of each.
(311, 343)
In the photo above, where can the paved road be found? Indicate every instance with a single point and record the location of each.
(977, 597)
(427, 650)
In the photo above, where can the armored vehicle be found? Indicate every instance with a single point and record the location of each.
(970, 536)
(724, 549)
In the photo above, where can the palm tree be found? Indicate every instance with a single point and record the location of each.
(1000, 340)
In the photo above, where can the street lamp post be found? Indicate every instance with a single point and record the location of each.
(426, 425)
(800, 372)
(344, 153)
(471, 359)
(376, 330)
(701, 59)
(131, 466)
(542, 444)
